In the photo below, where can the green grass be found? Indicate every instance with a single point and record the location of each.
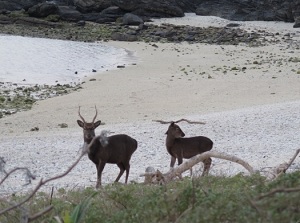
(208, 199)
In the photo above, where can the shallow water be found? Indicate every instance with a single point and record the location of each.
(26, 60)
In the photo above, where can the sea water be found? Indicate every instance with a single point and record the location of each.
(26, 60)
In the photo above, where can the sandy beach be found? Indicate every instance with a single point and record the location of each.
(249, 98)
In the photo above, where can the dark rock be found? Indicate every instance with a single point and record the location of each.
(63, 2)
(151, 8)
(15, 5)
(69, 13)
(233, 25)
(123, 37)
(42, 10)
(111, 14)
(131, 19)
(246, 10)
(86, 6)
(113, 11)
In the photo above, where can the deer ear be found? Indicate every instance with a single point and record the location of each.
(80, 123)
(96, 124)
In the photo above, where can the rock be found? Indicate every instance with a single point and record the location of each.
(110, 14)
(86, 6)
(241, 10)
(42, 10)
(15, 5)
(69, 13)
(151, 8)
(123, 37)
(131, 19)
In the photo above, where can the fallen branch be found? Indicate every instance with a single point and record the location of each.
(177, 171)
(180, 120)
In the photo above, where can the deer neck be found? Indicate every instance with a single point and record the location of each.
(170, 140)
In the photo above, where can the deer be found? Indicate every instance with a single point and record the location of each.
(179, 147)
(115, 149)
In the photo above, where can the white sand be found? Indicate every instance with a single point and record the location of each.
(253, 114)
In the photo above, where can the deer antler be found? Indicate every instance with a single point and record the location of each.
(95, 115)
(80, 115)
(180, 120)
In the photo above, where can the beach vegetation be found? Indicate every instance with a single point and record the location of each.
(208, 199)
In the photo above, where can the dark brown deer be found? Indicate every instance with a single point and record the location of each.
(116, 149)
(179, 147)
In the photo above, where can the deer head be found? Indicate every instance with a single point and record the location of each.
(88, 127)
(175, 131)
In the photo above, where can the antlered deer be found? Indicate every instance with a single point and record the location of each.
(179, 147)
(116, 149)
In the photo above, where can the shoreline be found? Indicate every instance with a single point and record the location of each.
(249, 98)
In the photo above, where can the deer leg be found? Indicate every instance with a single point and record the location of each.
(122, 169)
(173, 160)
(179, 158)
(207, 163)
(127, 168)
(100, 168)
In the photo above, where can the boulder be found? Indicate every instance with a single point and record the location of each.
(69, 13)
(248, 10)
(15, 5)
(42, 10)
(86, 6)
(151, 8)
(131, 19)
(110, 14)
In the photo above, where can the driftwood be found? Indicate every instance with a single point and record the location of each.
(156, 177)
(180, 120)
(159, 178)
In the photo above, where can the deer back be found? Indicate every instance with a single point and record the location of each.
(118, 149)
(192, 146)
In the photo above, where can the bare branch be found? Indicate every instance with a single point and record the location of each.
(41, 183)
(180, 120)
(39, 214)
(279, 190)
(29, 175)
